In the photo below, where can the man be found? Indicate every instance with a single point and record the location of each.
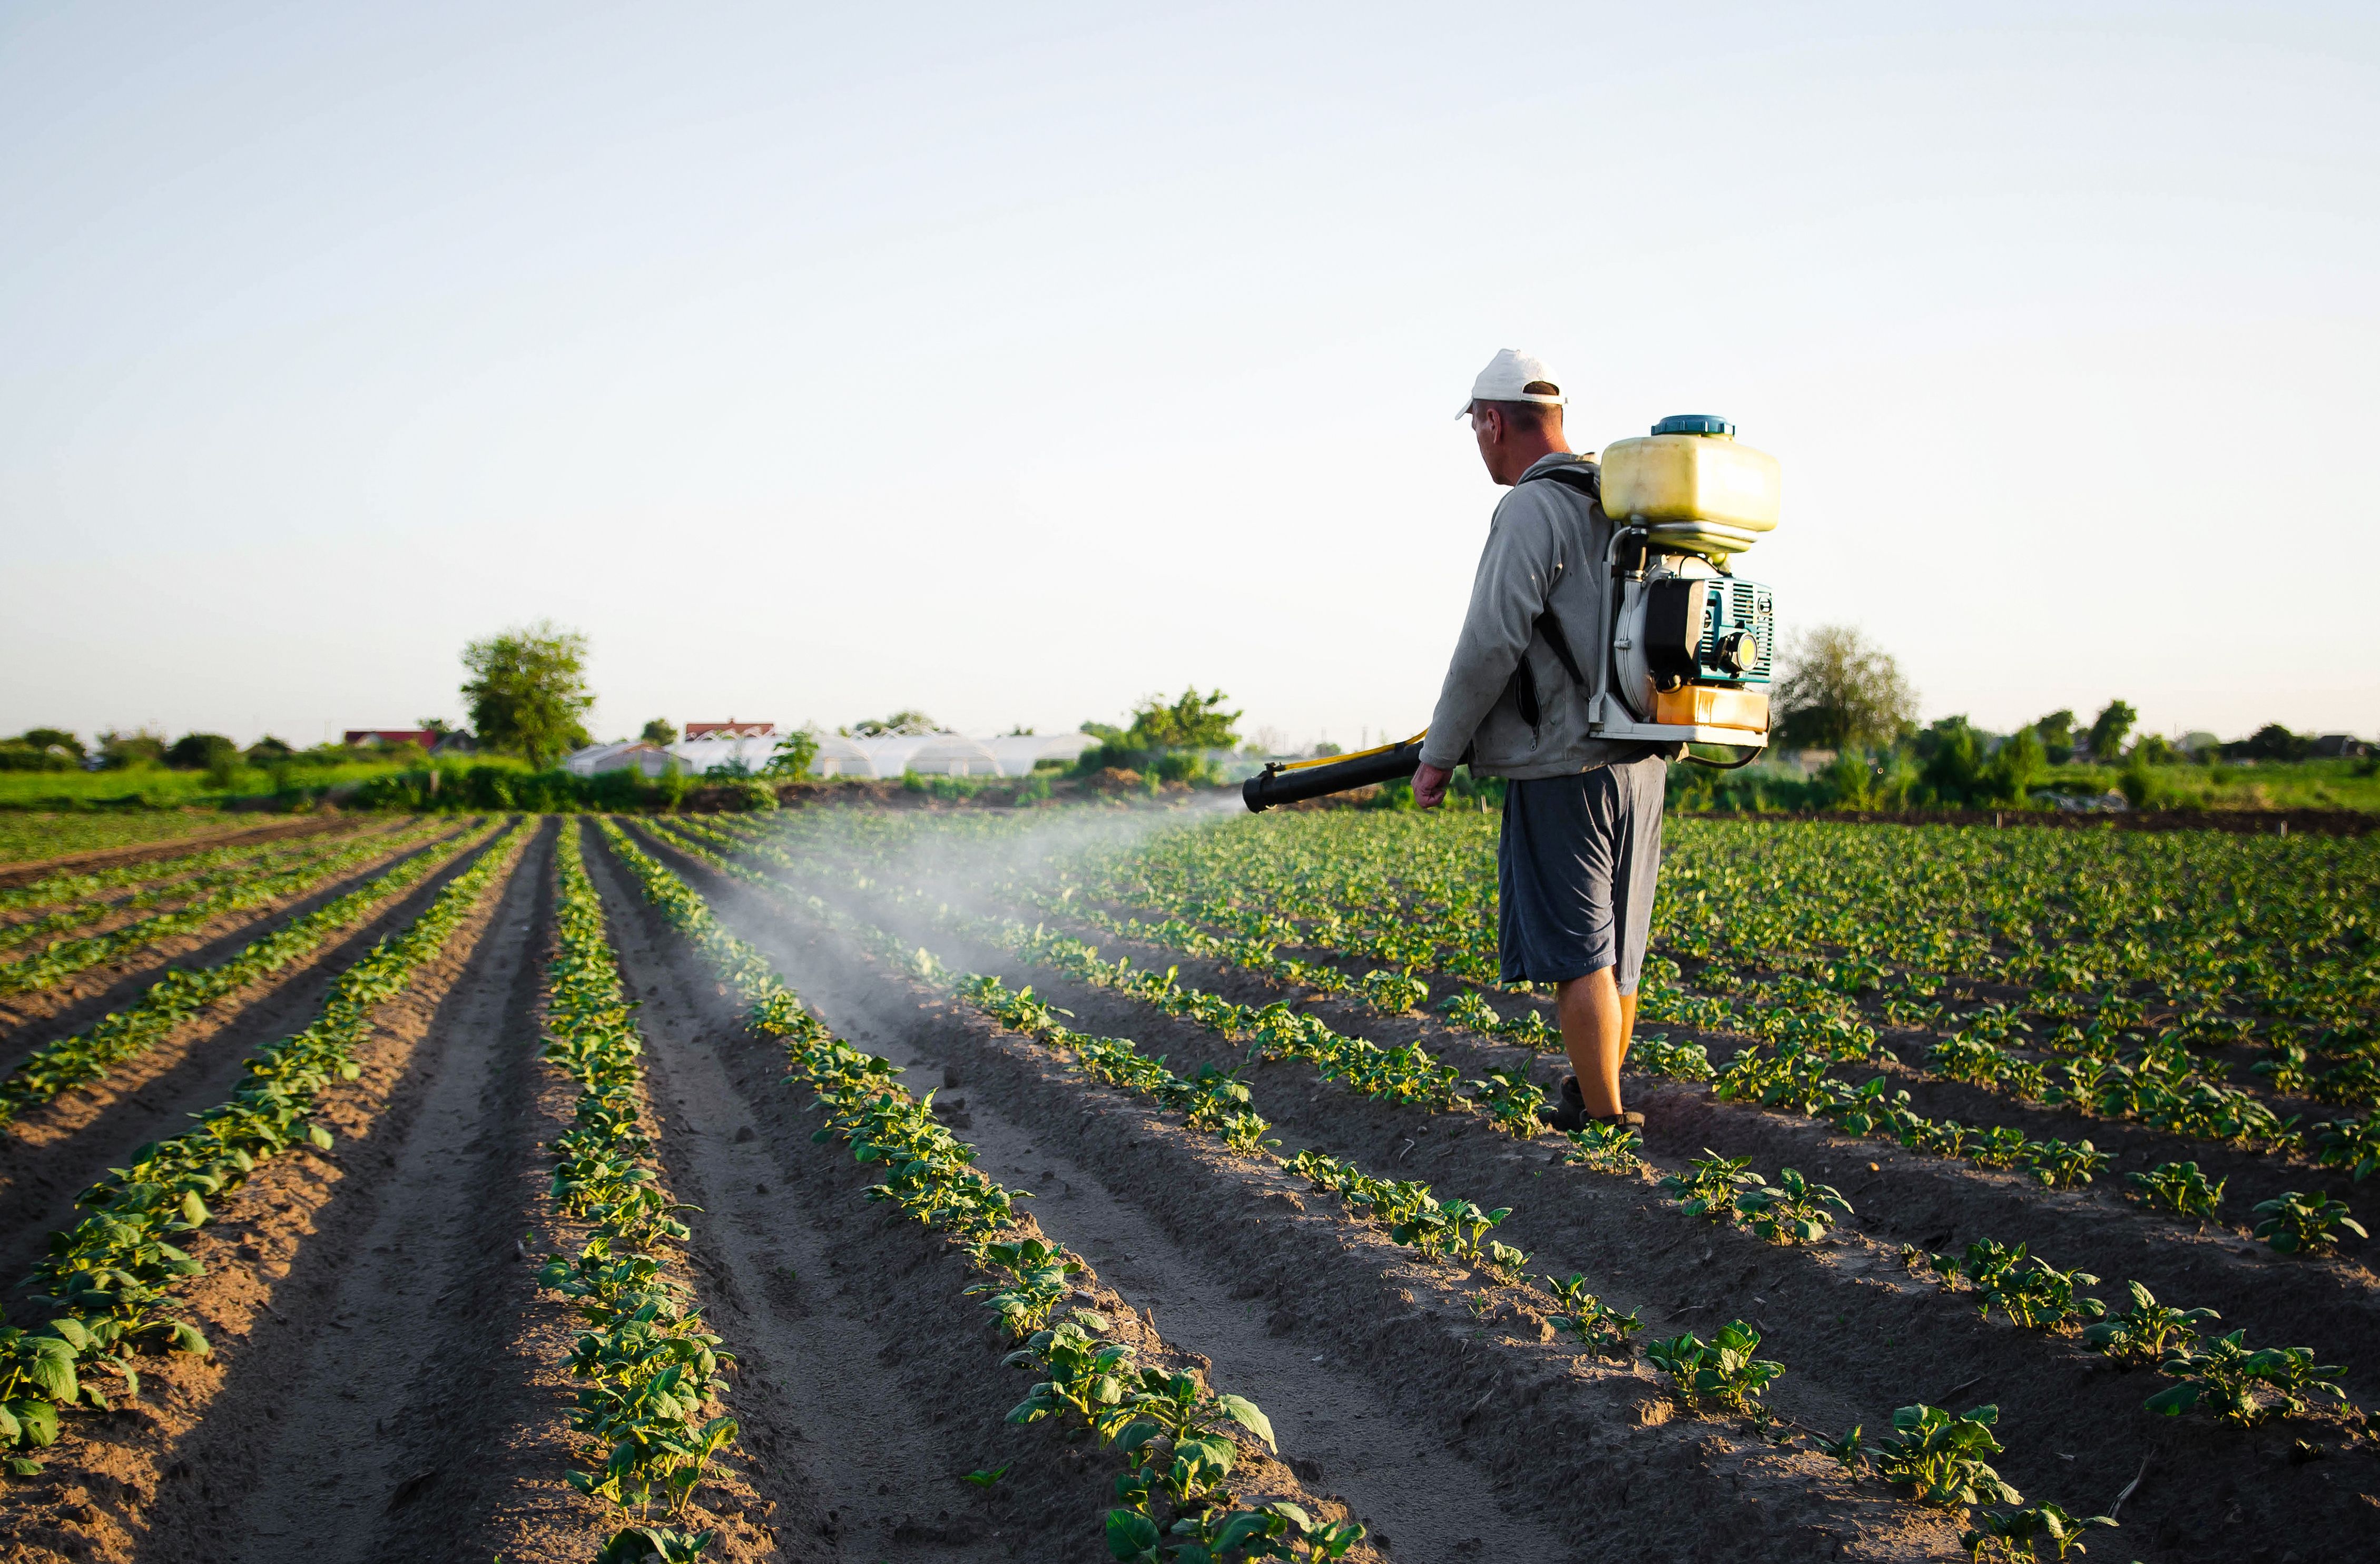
(1582, 839)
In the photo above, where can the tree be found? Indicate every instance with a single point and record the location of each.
(2271, 741)
(268, 751)
(1195, 722)
(528, 691)
(793, 755)
(53, 738)
(659, 731)
(901, 724)
(1952, 760)
(2014, 768)
(2109, 727)
(2056, 731)
(1839, 690)
(196, 752)
(140, 747)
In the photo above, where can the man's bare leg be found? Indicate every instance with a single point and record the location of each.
(1597, 1024)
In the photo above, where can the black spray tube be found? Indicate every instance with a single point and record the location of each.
(1301, 780)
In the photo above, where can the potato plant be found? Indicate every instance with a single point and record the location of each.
(2176, 1186)
(2149, 1331)
(860, 1097)
(1707, 1190)
(1793, 1210)
(2022, 1533)
(2029, 1291)
(653, 1373)
(1596, 1324)
(2309, 1224)
(1607, 1148)
(92, 1053)
(2242, 1386)
(108, 1282)
(63, 958)
(1720, 1372)
(1939, 1456)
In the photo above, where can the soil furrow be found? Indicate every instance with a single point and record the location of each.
(1562, 1440)
(1330, 1418)
(51, 1154)
(939, 1350)
(164, 1476)
(27, 1021)
(1847, 1320)
(1929, 1201)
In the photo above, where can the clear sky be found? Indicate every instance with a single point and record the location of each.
(1016, 361)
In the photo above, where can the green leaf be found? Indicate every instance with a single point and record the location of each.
(1242, 1411)
(52, 1372)
(1131, 1535)
(186, 1339)
(194, 1210)
(38, 1421)
(2174, 1400)
(320, 1137)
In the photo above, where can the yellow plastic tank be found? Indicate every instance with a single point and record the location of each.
(1691, 470)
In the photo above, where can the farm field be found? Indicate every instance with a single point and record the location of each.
(862, 1184)
(36, 837)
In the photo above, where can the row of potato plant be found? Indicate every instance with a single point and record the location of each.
(2030, 1291)
(63, 958)
(2155, 1088)
(1214, 1100)
(1721, 1374)
(1174, 1435)
(1703, 917)
(89, 1055)
(79, 885)
(106, 1287)
(652, 1372)
(248, 864)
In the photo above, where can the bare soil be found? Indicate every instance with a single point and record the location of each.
(387, 1381)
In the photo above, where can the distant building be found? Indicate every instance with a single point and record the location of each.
(731, 729)
(2336, 746)
(651, 759)
(426, 738)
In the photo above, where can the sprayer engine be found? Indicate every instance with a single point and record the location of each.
(1691, 649)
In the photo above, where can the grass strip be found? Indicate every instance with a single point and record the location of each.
(107, 1284)
(63, 958)
(1179, 1438)
(88, 1055)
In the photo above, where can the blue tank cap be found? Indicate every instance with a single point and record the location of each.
(1695, 423)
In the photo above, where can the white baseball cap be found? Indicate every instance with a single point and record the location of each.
(1505, 375)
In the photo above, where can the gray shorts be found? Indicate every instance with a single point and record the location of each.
(1576, 870)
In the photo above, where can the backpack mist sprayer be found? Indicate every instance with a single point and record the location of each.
(1692, 646)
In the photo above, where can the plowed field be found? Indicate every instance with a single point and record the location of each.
(524, 1225)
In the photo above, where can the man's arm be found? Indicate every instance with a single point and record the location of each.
(1510, 590)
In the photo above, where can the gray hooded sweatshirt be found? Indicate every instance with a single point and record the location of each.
(1546, 547)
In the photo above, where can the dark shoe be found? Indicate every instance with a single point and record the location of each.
(1568, 1110)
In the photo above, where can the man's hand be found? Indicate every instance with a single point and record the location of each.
(1429, 785)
